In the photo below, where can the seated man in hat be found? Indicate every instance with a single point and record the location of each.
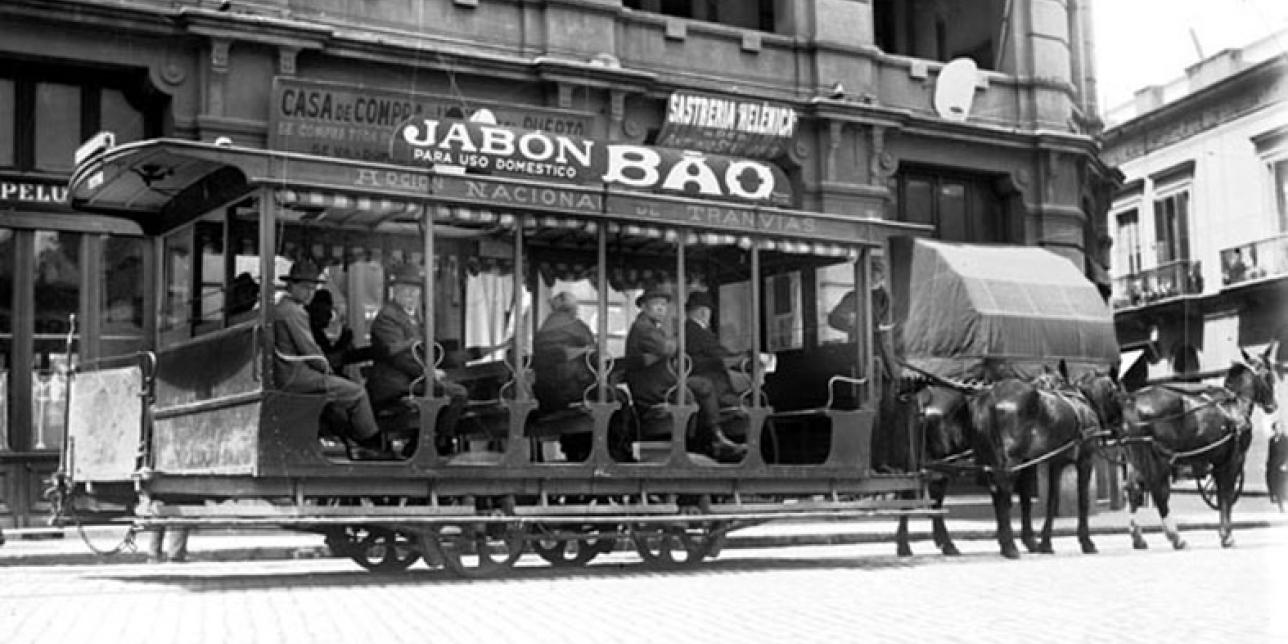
(301, 367)
(559, 351)
(396, 370)
(711, 360)
(649, 346)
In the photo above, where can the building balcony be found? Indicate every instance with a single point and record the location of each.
(1171, 280)
(1258, 260)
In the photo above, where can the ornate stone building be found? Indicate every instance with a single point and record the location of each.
(853, 99)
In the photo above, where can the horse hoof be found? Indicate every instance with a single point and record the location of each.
(904, 552)
(1046, 549)
(1011, 553)
(951, 550)
(1227, 542)
(1089, 549)
(1180, 544)
(1032, 546)
(1140, 544)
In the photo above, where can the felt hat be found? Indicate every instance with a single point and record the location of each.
(304, 270)
(651, 294)
(698, 299)
(407, 274)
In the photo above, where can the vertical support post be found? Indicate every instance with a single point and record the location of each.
(863, 299)
(601, 304)
(427, 238)
(681, 286)
(756, 318)
(267, 256)
(520, 280)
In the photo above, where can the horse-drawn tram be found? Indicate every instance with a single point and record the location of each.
(493, 390)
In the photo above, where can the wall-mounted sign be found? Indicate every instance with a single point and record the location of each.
(557, 158)
(27, 192)
(354, 122)
(727, 126)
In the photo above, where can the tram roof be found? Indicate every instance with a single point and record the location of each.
(160, 183)
(1022, 306)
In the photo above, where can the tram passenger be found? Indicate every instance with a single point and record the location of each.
(844, 316)
(396, 372)
(648, 347)
(559, 351)
(301, 367)
(703, 346)
(321, 312)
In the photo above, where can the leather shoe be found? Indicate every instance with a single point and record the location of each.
(724, 450)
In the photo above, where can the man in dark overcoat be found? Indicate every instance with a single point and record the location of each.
(396, 372)
(559, 353)
(649, 346)
(300, 366)
(710, 358)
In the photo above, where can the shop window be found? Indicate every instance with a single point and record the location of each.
(1128, 241)
(942, 31)
(755, 14)
(56, 297)
(1280, 178)
(6, 332)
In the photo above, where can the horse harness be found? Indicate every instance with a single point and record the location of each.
(1211, 397)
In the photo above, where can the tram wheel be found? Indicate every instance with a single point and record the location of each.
(670, 547)
(570, 553)
(476, 551)
(378, 549)
(1207, 489)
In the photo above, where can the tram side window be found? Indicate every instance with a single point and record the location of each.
(210, 276)
(176, 308)
(784, 322)
(122, 287)
(833, 283)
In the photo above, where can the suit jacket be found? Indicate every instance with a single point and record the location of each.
(292, 337)
(394, 368)
(648, 347)
(708, 355)
(561, 379)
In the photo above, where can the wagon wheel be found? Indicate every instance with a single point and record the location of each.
(670, 547)
(375, 548)
(476, 550)
(568, 553)
(1207, 489)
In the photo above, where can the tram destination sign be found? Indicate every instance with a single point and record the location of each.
(710, 123)
(356, 122)
(562, 159)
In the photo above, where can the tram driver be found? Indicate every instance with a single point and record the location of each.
(649, 346)
(302, 367)
(396, 370)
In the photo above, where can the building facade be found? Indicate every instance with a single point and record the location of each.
(1200, 224)
(855, 100)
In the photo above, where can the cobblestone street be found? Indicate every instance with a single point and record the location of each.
(803, 594)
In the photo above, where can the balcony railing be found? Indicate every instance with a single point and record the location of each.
(1167, 281)
(1255, 260)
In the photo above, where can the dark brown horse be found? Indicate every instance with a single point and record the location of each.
(944, 428)
(1019, 424)
(1204, 426)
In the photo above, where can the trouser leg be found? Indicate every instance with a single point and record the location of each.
(352, 398)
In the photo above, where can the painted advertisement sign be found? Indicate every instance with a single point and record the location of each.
(548, 157)
(354, 122)
(32, 192)
(710, 123)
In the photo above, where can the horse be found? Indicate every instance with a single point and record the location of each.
(1205, 425)
(1019, 424)
(944, 427)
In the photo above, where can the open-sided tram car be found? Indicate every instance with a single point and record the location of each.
(195, 434)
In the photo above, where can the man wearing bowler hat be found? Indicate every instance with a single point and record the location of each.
(649, 346)
(710, 358)
(396, 371)
(301, 367)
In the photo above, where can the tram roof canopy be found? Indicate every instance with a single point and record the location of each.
(974, 310)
